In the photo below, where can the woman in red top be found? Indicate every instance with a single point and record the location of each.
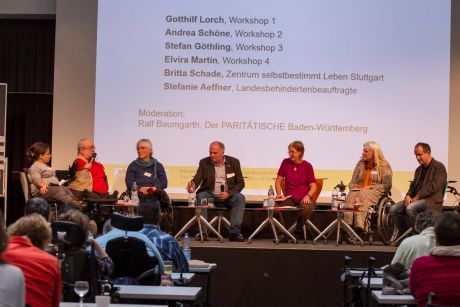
(298, 178)
(28, 237)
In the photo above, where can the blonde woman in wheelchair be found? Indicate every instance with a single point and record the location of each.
(371, 180)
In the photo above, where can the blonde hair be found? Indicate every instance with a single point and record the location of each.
(379, 159)
(34, 227)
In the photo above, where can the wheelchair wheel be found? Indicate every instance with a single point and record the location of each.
(385, 225)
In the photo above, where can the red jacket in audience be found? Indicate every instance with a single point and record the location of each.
(41, 272)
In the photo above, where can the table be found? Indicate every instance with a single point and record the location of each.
(376, 282)
(274, 223)
(129, 208)
(159, 292)
(339, 224)
(393, 299)
(202, 270)
(359, 272)
(76, 304)
(186, 277)
(201, 221)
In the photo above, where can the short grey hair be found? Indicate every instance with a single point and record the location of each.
(80, 143)
(147, 141)
(220, 144)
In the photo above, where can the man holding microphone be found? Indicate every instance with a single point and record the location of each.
(220, 177)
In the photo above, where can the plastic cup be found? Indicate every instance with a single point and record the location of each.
(102, 301)
(211, 202)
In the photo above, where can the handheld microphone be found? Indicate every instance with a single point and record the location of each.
(222, 188)
(92, 158)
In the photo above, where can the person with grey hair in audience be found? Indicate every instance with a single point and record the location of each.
(12, 289)
(420, 244)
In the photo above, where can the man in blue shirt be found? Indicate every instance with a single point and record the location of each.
(117, 233)
(168, 247)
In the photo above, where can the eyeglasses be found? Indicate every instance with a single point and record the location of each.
(92, 147)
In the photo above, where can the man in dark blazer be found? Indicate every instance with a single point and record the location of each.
(220, 177)
(426, 191)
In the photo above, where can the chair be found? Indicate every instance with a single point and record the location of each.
(319, 186)
(220, 218)
(75, 262)
(129, 254)
(202, 223)
(25, 185)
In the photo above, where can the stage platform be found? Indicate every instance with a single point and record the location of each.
(264, 274)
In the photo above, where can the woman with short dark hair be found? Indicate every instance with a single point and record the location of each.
(43, 178)
(296, 179)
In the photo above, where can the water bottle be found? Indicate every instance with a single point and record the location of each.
(186, 247)
(134, 196)
(335, 201)
(271, 197)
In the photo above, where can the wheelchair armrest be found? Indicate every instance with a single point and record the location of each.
(151, 272)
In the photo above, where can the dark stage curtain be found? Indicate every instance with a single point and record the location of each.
(27, 55)
(27, 66)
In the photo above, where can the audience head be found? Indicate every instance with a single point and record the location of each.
(34, 227)
(149, 209)
(86, 148)
(3, 238)
(422, 153)
(38, 151)
(38, 205)
(373, 152)
(425, 219)
(296, 150)
(447, 229)
(216, 152)
(144, 149)
(77, 217)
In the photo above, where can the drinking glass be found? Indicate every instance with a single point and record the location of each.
(168, 267)
(191, 200)
(204, 202)
(211, 202)
(166, 277)
(81, 288)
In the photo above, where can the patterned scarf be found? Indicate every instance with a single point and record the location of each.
(145, 164)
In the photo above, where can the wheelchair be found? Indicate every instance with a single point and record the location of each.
(378, 221)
